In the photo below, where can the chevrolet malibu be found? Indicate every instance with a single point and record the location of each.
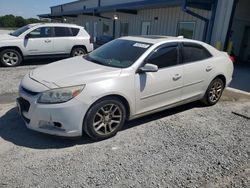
(125, 79)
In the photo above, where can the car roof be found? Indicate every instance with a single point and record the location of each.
(55, 24)
(154, 39)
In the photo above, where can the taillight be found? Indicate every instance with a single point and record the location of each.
(232, 58)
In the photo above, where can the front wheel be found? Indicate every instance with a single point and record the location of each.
(105, 118)
(214, 92)
(10, 58)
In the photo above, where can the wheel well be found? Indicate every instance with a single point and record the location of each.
(122, 99)
(79, 46)
(12, 47)
(223, 78)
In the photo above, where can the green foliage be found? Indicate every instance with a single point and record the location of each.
(12, 21)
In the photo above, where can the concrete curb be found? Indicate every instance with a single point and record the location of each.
(231, 94)
(238, 91)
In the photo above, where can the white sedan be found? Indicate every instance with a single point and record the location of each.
(125, 79)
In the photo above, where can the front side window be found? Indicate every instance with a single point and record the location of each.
(62, 32)
(164, 56)
(41, 32)
(118, 53)
(194, 52)
(186, 29)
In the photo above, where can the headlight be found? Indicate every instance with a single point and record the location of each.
(60, 95)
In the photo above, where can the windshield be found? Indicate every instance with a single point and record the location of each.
(118, 53)
(20, 31)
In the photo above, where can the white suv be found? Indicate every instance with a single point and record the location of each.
(122, 80)
(43, 40)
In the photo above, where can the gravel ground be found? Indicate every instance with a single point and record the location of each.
(188, 146)
(11, 77)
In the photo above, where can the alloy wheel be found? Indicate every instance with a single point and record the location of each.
(78, 52)
(215, 91)
(10, 58)
(107, 119)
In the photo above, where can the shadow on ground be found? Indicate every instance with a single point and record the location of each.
(12, 129)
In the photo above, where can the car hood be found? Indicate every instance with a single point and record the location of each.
(6, 37)
(71, 72)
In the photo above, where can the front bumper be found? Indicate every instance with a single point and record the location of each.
(64, 119)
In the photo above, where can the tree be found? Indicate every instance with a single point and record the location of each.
(8, 21)
(20, 21)
(17, 21)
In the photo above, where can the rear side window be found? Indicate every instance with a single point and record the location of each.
(62, 32)
(75, 31)
(194, 52)
(164, 56)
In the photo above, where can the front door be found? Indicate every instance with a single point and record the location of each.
(158, 89)
(39, 41)
(62, 40)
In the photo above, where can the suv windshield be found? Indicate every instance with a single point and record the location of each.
(19, 31)
(118, 53)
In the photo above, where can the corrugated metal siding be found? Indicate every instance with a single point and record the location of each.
(116, 2)
(222, 19)
(80, 5)
(168, 19)
(56, 10)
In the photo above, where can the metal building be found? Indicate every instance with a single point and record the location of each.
(222, 23)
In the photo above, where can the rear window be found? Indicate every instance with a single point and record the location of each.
(75, 31)
(194, 52)
(62, 32)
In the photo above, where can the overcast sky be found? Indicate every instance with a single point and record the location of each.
(28, 8)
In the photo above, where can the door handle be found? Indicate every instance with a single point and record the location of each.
(47, 41)
(176, 77)
(209, 68)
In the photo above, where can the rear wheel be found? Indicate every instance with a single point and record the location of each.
(214, 92)
(10, 57)
(105, 118)
(78, 51)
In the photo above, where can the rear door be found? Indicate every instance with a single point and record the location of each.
(197, 70)
(62, 40)
(158, 89)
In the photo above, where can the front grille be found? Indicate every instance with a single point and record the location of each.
(25, 105)
(29, 92)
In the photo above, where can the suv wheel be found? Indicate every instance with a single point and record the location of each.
(10, 57)
(78, 51)
(105, 118)
(214, 92)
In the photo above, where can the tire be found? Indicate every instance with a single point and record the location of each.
(10, 58)
(214, 92)
(78, 51)
(105, 118)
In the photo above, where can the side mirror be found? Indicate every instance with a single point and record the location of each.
(148, 68)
